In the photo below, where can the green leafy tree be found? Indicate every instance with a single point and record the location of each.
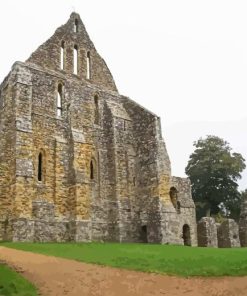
(214, 170)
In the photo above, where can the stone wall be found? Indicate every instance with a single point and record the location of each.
(207, 232)
(94, 167)
(243, 224)
(224, 235)
(7, 153)
(228, 234)
(48, 54)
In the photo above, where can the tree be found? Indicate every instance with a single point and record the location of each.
(214, 170)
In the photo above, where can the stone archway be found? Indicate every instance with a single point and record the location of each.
(186, 235)
(144, 234)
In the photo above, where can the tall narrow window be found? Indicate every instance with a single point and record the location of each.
(59, 99)
(96, 109)
(40, 167)
(88, 65)
(75, 59)
(62, 56)
(91, 170)
(76, 26)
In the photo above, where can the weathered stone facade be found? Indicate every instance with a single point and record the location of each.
(207, 232)
(228, 234)
(79, 161)
(243, 224)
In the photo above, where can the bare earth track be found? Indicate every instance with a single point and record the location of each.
(56, 276)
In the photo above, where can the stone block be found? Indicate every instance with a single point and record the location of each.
(228, 234)
(207, 232)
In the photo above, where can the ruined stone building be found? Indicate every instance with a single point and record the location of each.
(79, 161)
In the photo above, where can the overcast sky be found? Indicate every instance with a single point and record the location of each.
(186, 61)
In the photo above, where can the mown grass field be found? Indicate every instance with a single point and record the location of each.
(165, 259)
(13, 284)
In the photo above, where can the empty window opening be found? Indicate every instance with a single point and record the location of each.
(40, 167)
(75, 60)
(134, 181)
(96, 109)
(62, 56)
(59, 99)
(173, 196)
(76, 26)
(88, 65)
(186, 235)
(91, 170)
(178, 207)
(144, 234)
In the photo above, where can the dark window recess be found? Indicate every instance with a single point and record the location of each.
(59, 100)
(91, 170)
(144, 234)
(96, 109)
(40, 167)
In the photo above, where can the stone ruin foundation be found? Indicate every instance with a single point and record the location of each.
(228, 234)
(207, 232)
(243, 224)
(224, 235)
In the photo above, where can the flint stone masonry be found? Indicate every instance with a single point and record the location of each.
(228, 234)
(243, 224)
(207, 232)
(79, 161)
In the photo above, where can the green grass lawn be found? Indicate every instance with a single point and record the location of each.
(167, 259)
(13, 284)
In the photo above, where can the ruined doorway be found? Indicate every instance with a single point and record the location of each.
(186, 235)
(144, 234)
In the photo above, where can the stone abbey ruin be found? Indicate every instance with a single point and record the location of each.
(80, 162)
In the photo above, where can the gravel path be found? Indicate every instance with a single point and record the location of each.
(57, 277)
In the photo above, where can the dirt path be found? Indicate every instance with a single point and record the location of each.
(57, 277)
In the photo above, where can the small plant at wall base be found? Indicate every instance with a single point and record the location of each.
(214, 171)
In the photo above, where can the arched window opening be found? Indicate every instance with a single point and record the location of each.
(96, 109)
(59, 99)
(91, 170)
(144, 234)
(62, 56)
(76, 26)
(134, 181)
(186, 235)
(40, 167)
(75, 60)
(88, 65)
(174, 196)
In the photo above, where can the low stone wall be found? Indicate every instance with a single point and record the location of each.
(228, 234)
(2, 229)
(207, 232)
(82, 231)
(22, 230)
(243, 231)
(243, 224)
